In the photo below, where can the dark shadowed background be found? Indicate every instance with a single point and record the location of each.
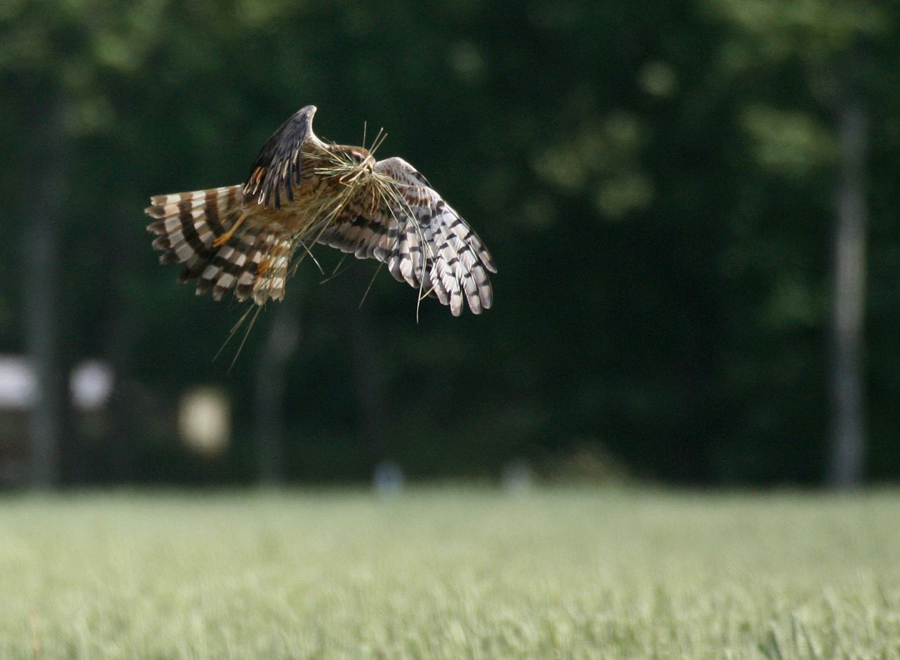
(692, 207)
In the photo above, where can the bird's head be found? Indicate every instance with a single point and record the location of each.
(360, 156)
(351, 165)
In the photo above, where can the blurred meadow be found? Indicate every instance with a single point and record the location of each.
(450, 573)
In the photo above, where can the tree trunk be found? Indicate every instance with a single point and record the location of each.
(119, 352)
(269, 394)
(45, 205)
(848, 433)
(368, 380)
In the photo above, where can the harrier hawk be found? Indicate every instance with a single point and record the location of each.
(302, 191)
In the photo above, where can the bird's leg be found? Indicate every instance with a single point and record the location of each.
(224, 238)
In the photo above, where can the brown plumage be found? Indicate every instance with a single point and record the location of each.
(302, 190)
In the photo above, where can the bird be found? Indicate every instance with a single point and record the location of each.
(302, 191)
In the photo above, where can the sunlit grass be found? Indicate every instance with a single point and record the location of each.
(450, 573)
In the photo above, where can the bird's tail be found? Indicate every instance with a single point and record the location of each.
(220, 245)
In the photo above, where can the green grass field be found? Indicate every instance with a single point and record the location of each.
(449, 573)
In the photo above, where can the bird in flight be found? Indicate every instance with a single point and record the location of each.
(303, 191)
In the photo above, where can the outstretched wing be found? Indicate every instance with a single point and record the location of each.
(278, 165)
(420, 238)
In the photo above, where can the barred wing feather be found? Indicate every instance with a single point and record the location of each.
(420, 238)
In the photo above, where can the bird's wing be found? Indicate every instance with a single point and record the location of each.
(278, 166)
(420, 238)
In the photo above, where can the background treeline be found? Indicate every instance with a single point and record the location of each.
(658, 182)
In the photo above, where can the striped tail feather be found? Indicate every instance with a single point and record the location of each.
(208, 232)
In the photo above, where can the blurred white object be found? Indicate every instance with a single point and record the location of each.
(204, 420)
(90, 384)
(516, 476)
(18, 385)
(388, 478)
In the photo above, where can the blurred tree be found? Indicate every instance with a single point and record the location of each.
(846, 464)
(50, 169)
(821, 44)
(269, 394)
(652, 178)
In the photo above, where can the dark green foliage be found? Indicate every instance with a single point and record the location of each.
(654, 179)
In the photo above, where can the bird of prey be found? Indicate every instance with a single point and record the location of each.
(303, 190)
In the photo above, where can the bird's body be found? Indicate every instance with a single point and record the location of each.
(302, 191)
